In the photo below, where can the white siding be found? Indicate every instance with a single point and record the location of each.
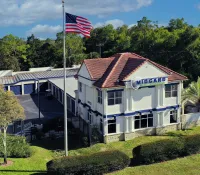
(84, 72)
(144, 99)
(147, 70)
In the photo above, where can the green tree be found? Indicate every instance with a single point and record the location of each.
(192, 94)
(33, 52)
(10, 111)
(74, 46)
(13, 53)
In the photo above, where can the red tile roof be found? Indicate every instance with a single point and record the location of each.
(110, 72)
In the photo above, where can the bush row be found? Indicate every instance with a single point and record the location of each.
(17, 147)
(99, 163)
(168, 149)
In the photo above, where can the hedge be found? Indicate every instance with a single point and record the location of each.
(168, 149)
(99, 163)
(17, 147)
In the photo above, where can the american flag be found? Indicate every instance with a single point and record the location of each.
(78, 24)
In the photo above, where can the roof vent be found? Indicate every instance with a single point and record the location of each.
(171, 73)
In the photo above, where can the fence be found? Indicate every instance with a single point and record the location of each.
(190, 120)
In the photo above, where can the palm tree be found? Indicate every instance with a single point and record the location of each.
(192, 94)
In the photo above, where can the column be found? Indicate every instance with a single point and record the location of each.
(36, 87)
(131, 124)
(179, 93)
(126, 125)
(8, 88)
(129, 100)
(162, 95)
(105, 127)
(161, 115)
(22, 88)
(157, 119)
(178, 115)
(125, 100)
(105, 96)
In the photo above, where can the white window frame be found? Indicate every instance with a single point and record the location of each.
(99, 96)
(171, 114)
(171, 91)
(114, 123)
(140, 121)
(114, 98)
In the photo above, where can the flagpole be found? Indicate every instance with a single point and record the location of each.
(65, 99)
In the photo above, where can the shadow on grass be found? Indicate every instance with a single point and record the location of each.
(38, 172)
(74, 142)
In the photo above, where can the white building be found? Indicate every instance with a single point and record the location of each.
(127, 96)
(57, 90)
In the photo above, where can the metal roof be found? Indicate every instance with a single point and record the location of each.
(29, 76)
(71, 85)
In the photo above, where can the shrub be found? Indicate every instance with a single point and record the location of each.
(56, 124)
(99, 163)
(192, 144)
(159, 151)
(17, 147)
(168, 149)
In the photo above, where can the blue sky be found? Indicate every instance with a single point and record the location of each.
(44, 17)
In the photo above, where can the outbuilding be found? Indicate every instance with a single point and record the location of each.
(57, 90)
(126, 96)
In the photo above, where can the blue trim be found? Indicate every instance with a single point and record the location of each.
(116, 90)
(171, 84)
(142, 111)
(147, 87)
(86, 105)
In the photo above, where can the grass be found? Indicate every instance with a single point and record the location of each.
(183, 166)
(36, 164)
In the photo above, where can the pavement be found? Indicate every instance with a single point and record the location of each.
(48, 108)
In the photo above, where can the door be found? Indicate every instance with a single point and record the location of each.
(17, 90)
(29, 88)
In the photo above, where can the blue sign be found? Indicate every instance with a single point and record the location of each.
(148, 82)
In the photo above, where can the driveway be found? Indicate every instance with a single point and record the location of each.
(48, 108)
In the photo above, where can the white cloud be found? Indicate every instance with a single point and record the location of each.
(23, 12)
(131, 25)
(44, 31)
(115, 22)
(198, 6)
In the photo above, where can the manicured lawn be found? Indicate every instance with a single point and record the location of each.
(36, 164)
(184, 166)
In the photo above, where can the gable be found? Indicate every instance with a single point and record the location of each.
(84, 72)
(147, 70)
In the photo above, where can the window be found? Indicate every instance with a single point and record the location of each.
(171, 90)
(80, 86)
(112, 126)
(144, 121)
(99, 96)
(173, 116)
(90, 117)
(101, 125)
(114, 97)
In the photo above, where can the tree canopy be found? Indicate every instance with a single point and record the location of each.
(10, 111)
(175, 45)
